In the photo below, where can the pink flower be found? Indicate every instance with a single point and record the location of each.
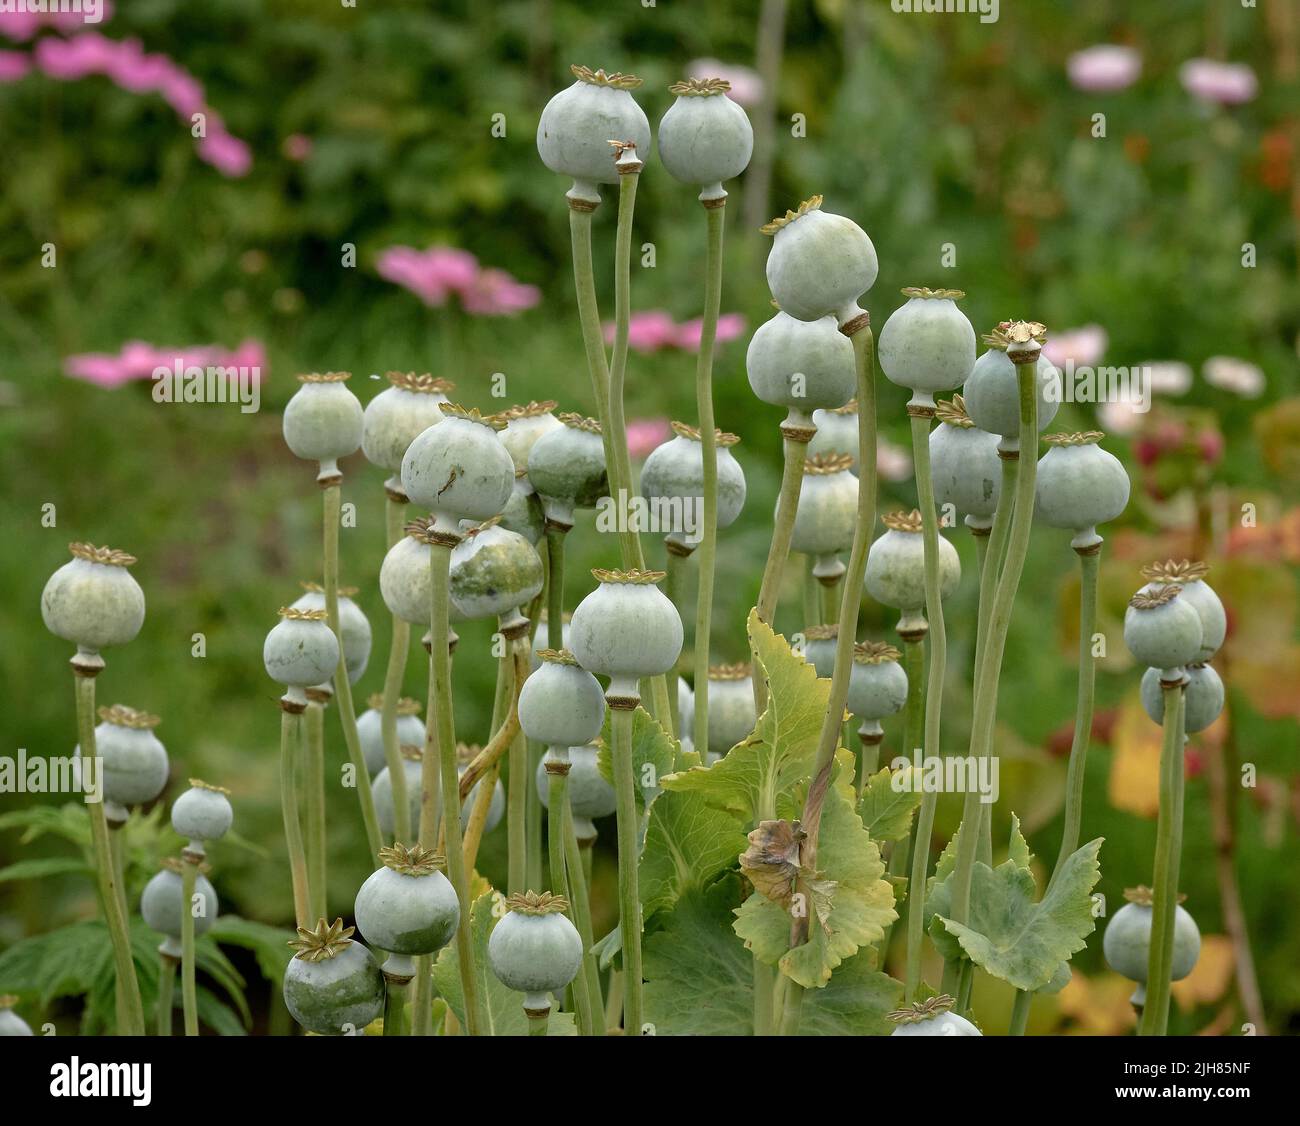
(746, 84)
(1104, 68)
(71, 59)
(893, 463)
(452, 267)
(494, 293)
(1225, 84)
(1231, 374)
(19, 25)
(730, 326)
(1081, 346)
(644, 434)
(297, 147)
(13, 66)
(647, 332)
(183, 92)
(432, 275)
(138, 360)
(131, 69)
(226, 153)
(23, 25)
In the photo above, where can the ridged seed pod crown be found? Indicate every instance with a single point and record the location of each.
(534, 949)
(1162, 630)
(992, 390)
(407, 906)
(332, 985)
(398, 415)
(931, 1017)
(1195, 590)
(820, 264)
(92, 601)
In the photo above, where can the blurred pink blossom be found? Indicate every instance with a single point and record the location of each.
(730, 326)
(893, 463)
(644, 434)
(1168, 377)
(494, 293)
(138, 360)
(1226, 84)
(78, 57)
(1104, 68)
(297, 146)
(13, 66)
(432, 275)
(226, 153)
(647, 331)
(1081, 346)
(22, 25)
(1119, 416)
(1228, 373)
(746, 84)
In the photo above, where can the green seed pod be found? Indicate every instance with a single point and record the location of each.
(577, 125)
(819, 646)
(493, 573)
(731, 707)
(626, 629)
(407, 906)
(524, 425)
(398, 415)
(931, 1017)
(523, 512)
(1079, 486)
(1198, 593)
(324, 421)
(590, 796)
(877, 682)
(705, 138)
(927, 345)
(567, 468)
(332, 985)
(132, 761)
(672, 480)
(802, 365)
(896, 565)
(1203, 699)
(405, 581)
(459, 470)
(561, 705)
(992, 392)
(1161, 629)
(381, 787)
(1127, 941)
(11, 1024)
(301, 651)
(827, 513)
(964, 464)
(837, 432)
(163, 906)
(820, 264)
(93, 601)
(354, 626)
(202, 814)
(370, 730)
(534, 949)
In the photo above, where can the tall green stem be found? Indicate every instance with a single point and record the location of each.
(715, 215)
(555, 534)
(342, 686)
(130, 1008)
(830, 599)
(290, 736)
(394, 515)
(1169, 845)
(563, 881)
(189, 994)
(629, 899)
(166, 992)
(395, 990)
(313, 763)
(1020, 1013)
(676, 562)
(581, 903)
(629, 541)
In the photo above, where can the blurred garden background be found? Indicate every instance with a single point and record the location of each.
(1163, 232)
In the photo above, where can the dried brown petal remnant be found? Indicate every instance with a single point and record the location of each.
(811, 204)
(537, 903)
(919, 1011)
(1175, 571)
(1150, 600)
(902, 521)
(324, 941)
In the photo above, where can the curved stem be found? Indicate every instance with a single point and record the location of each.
(580, 899)
(290, 736)
(715, 213)
(1169, 843)
(629, 900)
(621, 483)
(130, 1009)
(313, 763)
(394, 513)
(189, 994)
(440, 709)
(998, 622)
(476, 823)
(166, 992)
(342, 687)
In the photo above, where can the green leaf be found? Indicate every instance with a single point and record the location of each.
(70, 821)
(887, 810)
(209, 959)
(217, 1015)
(700, 979)
(504, 1007)
(687, 843)
(653, 755)
(40, 867)
(861, 900)
(779, 754)
(269, 945)
(1018, 849)
(1022, 942)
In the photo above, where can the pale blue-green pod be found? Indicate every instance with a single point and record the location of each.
(459, 470)
(877, 682)
(567, 468)
(93, 601)
(523, 512)
(561, 704)
(732, 717)
(405, 579)
(802, 365)
(132, 760)
(931, 1018)
(927, 344)
(407, 906)
(1198, 593)
(820, 264)
(672, 482)
(895, 573)
(1079, 485)
(1202, 699)
(301, 651)
(1162, 630)
(1127, 941)
(332, 985)
(827, 514)
(11, 1024)
(524, 425)
(626, 629)
(964, 466)
(992, 395)
(494, 572)
(163, 906)
(534, 949)
(705, 137)
(202, 813)
(354, 627)
(324, 422)
(370, 730)
(837, 432)
(577, 125)
(590, 796)
(398, 415)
